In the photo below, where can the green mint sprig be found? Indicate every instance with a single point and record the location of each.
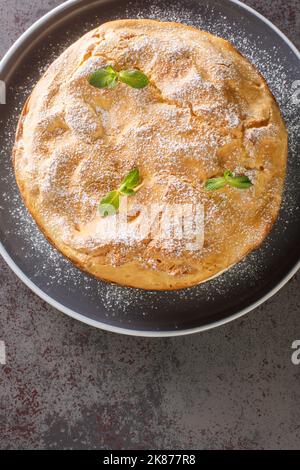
(108, 77)
(240, 182)
(104, 78)
(110, 204)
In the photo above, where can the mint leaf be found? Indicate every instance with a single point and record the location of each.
(104, 78)
(241, 182)
(110, 204)
(126, 191)
(227, 174)
(215, 183)
(131, 180)
(108, 77)
(134, 78)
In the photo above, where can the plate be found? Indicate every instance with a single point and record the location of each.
(134, 311)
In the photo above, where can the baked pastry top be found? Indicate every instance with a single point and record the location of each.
(206, 110)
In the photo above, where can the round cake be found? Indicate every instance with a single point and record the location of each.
(173, 130)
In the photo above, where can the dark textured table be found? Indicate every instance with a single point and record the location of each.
(66, 385)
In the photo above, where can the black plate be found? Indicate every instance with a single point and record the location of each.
(133, 311)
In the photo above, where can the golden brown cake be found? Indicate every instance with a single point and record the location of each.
(206, 110)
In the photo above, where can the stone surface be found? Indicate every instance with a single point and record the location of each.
(67, 385)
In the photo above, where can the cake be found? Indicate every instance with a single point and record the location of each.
(201, 136)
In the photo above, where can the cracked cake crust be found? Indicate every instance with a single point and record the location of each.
(205, 110)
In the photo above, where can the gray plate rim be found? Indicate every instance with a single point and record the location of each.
(97, 324)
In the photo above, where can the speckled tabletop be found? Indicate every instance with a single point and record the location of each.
(66, 385)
